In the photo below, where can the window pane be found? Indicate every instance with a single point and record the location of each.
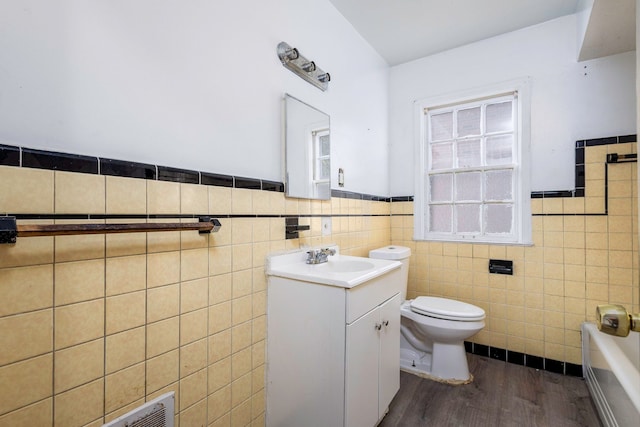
(440, 218)
(498, 219)
(469, 153)
(500, 150)
(469, 122)
(324, 145)
(468, 218)
(442, 126)
(441, 156)
(441, 187)
(325, 171)
(469, 186)
(499, 185)
(499, 117)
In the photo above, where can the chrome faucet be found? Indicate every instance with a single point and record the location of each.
(319, 256)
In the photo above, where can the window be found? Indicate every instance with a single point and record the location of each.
(321, 155)
(472, 179)
(321, 163)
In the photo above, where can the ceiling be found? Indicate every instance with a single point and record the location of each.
(404, 30)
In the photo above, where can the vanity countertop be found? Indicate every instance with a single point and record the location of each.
(344, 271)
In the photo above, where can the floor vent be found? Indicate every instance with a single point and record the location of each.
(155, 413)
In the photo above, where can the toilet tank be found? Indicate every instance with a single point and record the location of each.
(396, 253)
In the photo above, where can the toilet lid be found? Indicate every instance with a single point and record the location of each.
(447, 309)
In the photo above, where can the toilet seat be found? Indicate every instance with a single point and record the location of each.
(443, 308)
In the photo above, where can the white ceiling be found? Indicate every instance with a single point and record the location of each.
(404, 30)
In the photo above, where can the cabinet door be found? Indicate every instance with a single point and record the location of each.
(361, 371)
(389, 352)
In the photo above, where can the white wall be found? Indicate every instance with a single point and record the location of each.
(570, 100)
(194, 84)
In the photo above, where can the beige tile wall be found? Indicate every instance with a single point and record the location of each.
(579, 258)
(93, 326)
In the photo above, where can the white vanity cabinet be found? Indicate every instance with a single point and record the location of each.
(332, 351)
(372, 376)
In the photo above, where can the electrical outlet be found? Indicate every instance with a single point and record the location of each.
(326, 226)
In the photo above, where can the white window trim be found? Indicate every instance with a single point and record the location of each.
(317, 157)
(522, 193)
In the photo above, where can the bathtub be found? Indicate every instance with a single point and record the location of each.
(611, 368)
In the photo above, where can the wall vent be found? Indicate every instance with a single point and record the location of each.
(155, 413)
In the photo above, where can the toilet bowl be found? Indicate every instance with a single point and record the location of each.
(433, 329)
(433, 333)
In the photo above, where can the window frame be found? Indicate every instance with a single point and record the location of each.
(317, 182)
(318, 157)
(521, 155)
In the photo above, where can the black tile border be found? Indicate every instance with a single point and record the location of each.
(580, 176)
(515, 357)
(480, 349)
(273, 186)
(247, 183)
(402, 199)
(579, 165)
(579, 155)
(551, 194)
(358, 196)
(523, 359)
(625, 139)
(535, 362)
(572, 369)
(554, 366)
(498, 353)
(601, 141)
(122, 168)
(11, 155)
(185, 176)
(40, 159)
(361, 196)
(215, 179)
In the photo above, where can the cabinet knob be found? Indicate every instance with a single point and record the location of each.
(378, 326)
(385, 323)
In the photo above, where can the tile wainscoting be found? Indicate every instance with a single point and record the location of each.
(115, 320)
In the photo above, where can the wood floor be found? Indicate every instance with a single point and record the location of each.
(502, 394)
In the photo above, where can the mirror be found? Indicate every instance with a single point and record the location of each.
(307, 151)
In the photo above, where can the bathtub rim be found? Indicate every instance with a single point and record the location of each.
(625, 372)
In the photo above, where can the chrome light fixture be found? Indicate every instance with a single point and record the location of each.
(308, 70)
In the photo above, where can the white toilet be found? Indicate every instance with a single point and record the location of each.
(433, 329)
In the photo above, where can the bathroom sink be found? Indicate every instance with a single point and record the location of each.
(340, 270)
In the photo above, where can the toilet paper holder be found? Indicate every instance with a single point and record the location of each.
(500, 266)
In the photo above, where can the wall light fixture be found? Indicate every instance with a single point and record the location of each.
(308, 70)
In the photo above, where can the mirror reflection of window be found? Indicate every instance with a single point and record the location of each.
(322, 164)
(307, 151)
